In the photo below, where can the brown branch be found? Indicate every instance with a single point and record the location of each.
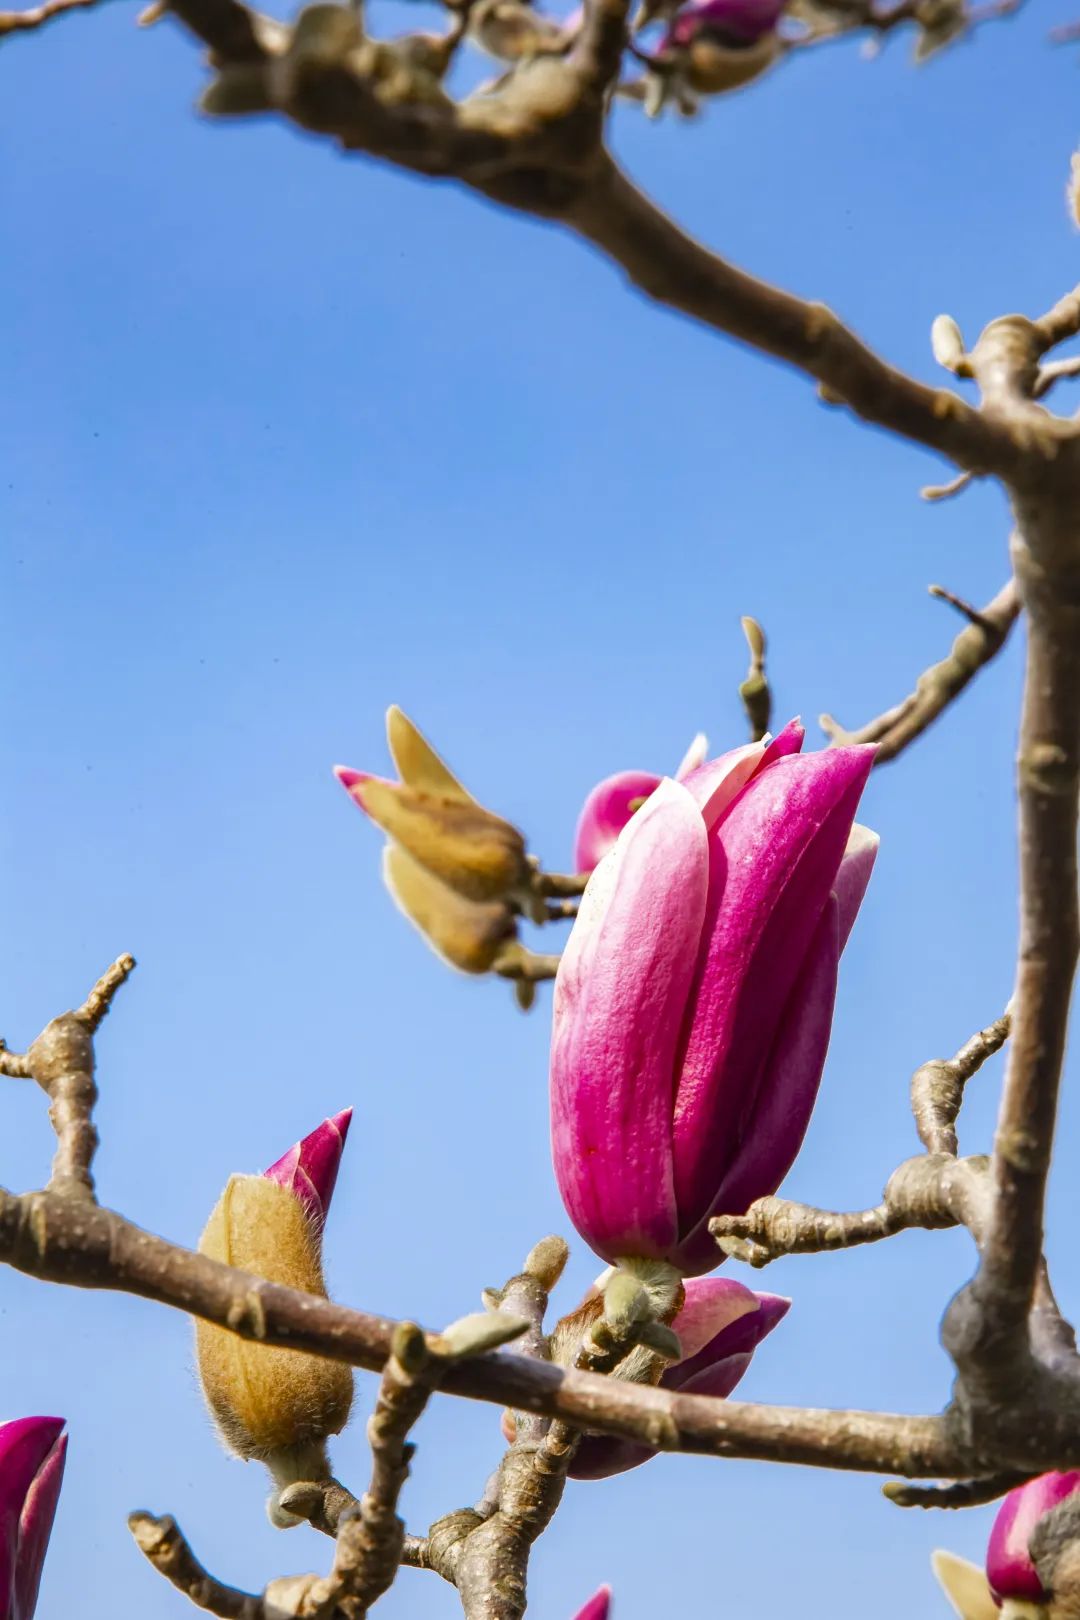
(163, 1542)
(938, 686)
(61, 1060)
(15, 22)
(937, 1087)
(59, 1240)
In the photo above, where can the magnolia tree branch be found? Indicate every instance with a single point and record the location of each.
(938, 686)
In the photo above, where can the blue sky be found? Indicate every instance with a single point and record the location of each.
(289, 436)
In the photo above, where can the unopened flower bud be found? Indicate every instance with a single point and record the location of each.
(598, 1607)
(469, 934)
(271, 1403)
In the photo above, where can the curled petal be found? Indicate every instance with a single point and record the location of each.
(718, 1366)
(606, 812)
(309, 1170)
(711, 1305)
(1010, 1568)
(853, 876)
(619, 999)
(714, 785)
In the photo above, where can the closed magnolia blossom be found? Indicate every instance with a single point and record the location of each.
(613, 801)
(719, 1326)
(1011, 1582)
(723, 44)
(693, 1003)
(270, 1403)
(32, 1453)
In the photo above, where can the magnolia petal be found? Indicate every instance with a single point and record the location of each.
(696, 754)
(773, 860)
(718, 1366)
(618, 1005)
(598, 1607)
(779, 1113)
(605, 813)
(853, 876)
(25, 1448)
(418, 765)
(469, 934)
(717, 783)
(965, 1585)
(1010, 1568)
(309, 1169)
(35, 1528)
(711, 1304)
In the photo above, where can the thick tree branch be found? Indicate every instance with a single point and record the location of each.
(59, 1240)
(938, 686)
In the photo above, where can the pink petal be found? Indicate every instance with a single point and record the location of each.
(774, 857)
(35, 1528)
(310, 1167)
(598, 1607)
(779, 1113)
(711, 1304)
(1009, 1565)
(715, 784)
(352, 780)
(619, 1000)
(25, 1448)
(605, 813)
(853, 876)
(720, 1364)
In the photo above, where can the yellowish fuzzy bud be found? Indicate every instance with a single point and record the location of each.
(266, 1399)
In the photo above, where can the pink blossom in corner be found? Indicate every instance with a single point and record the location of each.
(719, 1327)
(1010, 1568)
(735, 22)
(693, 1002)
(598, 1607)
(310, 1167)
(32, 1453)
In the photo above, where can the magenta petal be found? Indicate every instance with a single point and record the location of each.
(746, 20)
(606, 812)
(619, 999)
(714, 785)
(310, 1167)
(1009, 1566)
(598, 1607)
(718, 1366)
(35, 1528)
(774, 857)
(711, 1305)
(25, 1448)
(351, 780)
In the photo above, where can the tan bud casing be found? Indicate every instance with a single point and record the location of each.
(266, 1399)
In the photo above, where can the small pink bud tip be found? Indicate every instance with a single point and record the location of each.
(310, 1167)
(32, 1452)
(598, 1607)
(349, 778)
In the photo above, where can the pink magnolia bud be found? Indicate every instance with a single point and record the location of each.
(32, 1452)
(733, 22)
(1009, 1565)
(310, 1167)
(598, 1607)
(719, 1327)
(613, 801)
(693, 1003)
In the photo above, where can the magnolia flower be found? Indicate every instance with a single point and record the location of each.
(720, 1325)
(720, 45)
(32, 1452)
(271, 1403)
(598, 1607)
(694, 1000)
(1011, 1582)
(614, 800)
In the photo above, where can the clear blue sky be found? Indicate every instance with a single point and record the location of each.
(289, 436)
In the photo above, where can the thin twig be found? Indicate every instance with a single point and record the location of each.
(937, 1087)
(938, 686)
(962, 1493)
(15, 22)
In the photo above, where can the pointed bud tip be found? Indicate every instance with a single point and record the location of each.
(348, 777)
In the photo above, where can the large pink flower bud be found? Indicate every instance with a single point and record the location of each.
(694, 1000)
